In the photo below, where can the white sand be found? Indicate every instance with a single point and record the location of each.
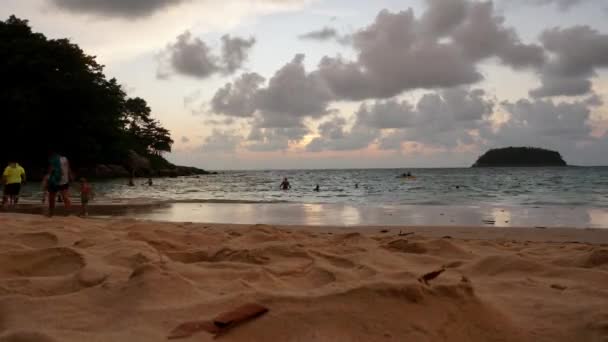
(70, 279)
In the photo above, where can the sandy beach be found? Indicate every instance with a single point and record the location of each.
(72, 279)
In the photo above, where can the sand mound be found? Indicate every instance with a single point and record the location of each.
(506, 264)
(23, 336)
(596, 258)
(440, 248)
(39, 240)
(40, 263)
(383, 312)
(135, 281)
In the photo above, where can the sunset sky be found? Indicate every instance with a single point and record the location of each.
(258, 84)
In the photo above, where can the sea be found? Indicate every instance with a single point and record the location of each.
(539, 196)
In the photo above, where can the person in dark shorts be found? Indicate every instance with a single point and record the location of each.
(12, 178)
(59, 181)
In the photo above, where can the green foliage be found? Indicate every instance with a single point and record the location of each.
(54, 96)
(520, 156)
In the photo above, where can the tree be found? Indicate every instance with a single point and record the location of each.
(54, 96)
(146, 134)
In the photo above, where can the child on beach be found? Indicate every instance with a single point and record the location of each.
(45, 188)
(86, 193)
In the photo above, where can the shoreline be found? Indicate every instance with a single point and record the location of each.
(351, 215)
(123, 279)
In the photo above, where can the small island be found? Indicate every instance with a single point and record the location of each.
(520, 157)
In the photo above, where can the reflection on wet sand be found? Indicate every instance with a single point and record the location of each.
(347, 215)
(351, 215)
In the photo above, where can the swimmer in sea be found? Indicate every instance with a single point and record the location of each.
(285, 184)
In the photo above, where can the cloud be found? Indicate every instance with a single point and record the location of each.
(444, 118)
(562, 126)
(235, 52)
(335, 137)
(326, 33)
(563, 122)
(561, 4)
(222, 142)
(185, 140)
(190, 56)
(136, 9)
(274, 139)
(239, 97)
(127, 9)
(291, 95)
(399, 52)
(576, 53)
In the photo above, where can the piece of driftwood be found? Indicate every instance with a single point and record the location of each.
(430, 276)
(220, 324)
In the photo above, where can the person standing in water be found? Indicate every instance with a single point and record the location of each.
(285, 184)
(59, 181)
(86, 192)
(12, 178)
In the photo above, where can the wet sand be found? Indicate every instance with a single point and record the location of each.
(342, 214)
(72, 279)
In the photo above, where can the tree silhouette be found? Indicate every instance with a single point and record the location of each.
(54, 96)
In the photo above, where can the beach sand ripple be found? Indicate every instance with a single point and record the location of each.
(69, 279)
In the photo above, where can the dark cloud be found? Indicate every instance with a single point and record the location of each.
(239, 97)
(561, 4)
(191, 56)
(326, 33)
(235, 52)
(291, 95)
(274, 139)
(127, 9)
(556, 85)
(277, 109)
(561, 126)
(334, 136)
(222, 142)
(482, 35)
(399, 52)
(576, 53)
(442, 119)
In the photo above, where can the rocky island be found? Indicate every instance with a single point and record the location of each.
(520, 157)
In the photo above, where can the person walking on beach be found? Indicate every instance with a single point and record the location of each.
(45, 188)
(285, 184)
(86, 193)
(59, 181)
(12, 178)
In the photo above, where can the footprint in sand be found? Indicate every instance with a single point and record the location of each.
(26, 336)
(47, 262)
(38, 240)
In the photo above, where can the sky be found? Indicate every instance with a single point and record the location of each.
(284, 84)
